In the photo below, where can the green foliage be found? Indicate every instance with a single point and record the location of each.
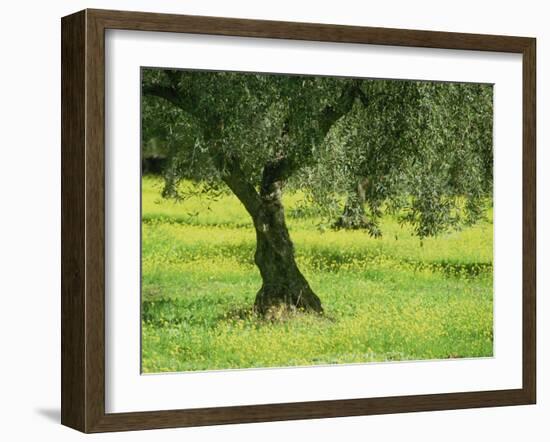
(209, 117)
(385, 299)
(424, 147)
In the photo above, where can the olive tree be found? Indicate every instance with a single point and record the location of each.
(422, 147)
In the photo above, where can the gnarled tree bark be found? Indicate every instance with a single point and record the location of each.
(282, 281)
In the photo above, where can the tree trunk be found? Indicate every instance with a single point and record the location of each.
(354, 215)
(282, 282)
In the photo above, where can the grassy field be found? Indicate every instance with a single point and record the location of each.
(385, 299)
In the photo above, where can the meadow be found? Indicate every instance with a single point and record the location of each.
(392, 298)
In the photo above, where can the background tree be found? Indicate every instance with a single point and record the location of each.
(412, 146)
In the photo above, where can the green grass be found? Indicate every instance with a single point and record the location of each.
(385, 299)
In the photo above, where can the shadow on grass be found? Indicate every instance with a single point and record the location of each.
(330, 260)
(334, 260)
(208, 312)
(192, 221)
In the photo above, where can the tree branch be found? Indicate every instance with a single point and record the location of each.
(234, 177)
(237, 181)
(331, 114)
(161, 91)
(273, 174)
(171, 92)
(361, 95)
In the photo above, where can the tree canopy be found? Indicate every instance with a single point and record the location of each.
(425, 147)
(422, 150)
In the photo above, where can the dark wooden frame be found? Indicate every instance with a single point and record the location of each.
(83, 216)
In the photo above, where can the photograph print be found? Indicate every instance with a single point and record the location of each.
(299, 220)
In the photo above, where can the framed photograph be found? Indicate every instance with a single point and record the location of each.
(267, 221)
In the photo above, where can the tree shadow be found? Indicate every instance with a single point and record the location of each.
(276, 314)
(239, 313)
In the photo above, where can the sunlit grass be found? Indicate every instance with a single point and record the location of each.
(392, 298)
